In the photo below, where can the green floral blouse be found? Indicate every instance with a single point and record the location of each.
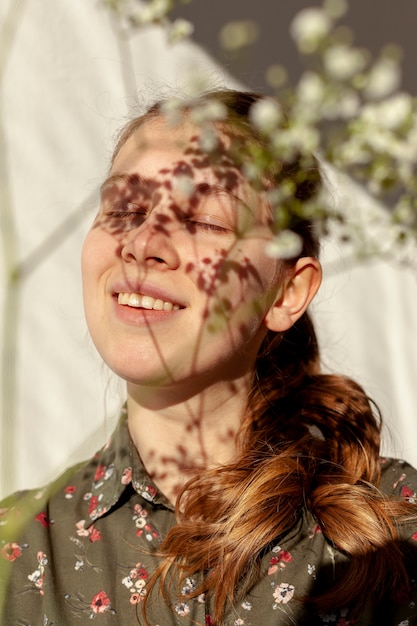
(89, 542)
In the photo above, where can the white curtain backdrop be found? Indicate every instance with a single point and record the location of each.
(69, 78)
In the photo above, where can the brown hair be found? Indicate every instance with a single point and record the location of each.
(309, 440)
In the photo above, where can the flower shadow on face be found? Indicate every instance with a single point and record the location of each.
(198, 223)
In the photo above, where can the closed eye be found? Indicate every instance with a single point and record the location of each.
(214, 226)
(123, 218)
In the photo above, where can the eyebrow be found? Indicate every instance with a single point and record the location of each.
(128, 179)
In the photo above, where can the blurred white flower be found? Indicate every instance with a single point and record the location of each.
(349, 104)
(266, 115)
(208, 140)
(239, 33)
(309, 27)
(311, 89)
(383, 79)
(404, 213)
(391, 113)
(335, 8)
(172, 109)
(178, 30)
(276, 75)
(211, 111)
(183, 186)
(154, 11)
(287, 143)
(342, 62)
(285, 245)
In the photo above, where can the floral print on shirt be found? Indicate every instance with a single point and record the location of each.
(90, 547)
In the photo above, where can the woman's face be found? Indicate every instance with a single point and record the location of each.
(176, 281)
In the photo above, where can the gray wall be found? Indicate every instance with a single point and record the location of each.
(374, 24)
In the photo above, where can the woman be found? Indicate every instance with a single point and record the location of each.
(242, 486)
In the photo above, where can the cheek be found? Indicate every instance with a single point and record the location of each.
(97, 251)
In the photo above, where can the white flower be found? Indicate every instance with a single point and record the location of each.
(311, 89)
(335, 8)
(182, 609)
(247, 606)
(299, 138)
(276, 75)
(403, 213)
(184, 186)
(154, 11)
(384, 78)
(211, 111)
(172, 110)
(265, 115)
(311, 569)
(179, 29)
(395, 111)
(207, 141)
(309, 27)
(342, 62)
(127, 582)
(239, 33)
(286, 245)
(349, 105)
(283, 593)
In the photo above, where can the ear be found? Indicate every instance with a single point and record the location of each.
(296, 291)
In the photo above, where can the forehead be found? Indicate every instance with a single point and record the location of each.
(158, 149)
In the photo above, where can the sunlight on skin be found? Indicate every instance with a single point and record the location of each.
(189, 235)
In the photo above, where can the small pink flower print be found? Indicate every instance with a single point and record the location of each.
(100, 471)
(81, 531)
(315, 531)
(407, 494)
(95, 535)
(142, 573)
(209, 620)
(127, 476)
(283, 593)
(91, 532)
(401, 478)
(38, 576)
(414, 536)
(135, 598)
(285, 557)
(279, 561)
(43, 519)
(92, 505)
(69, 491)
(11, 551)
(100, 603)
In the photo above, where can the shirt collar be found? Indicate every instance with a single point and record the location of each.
(117, 468)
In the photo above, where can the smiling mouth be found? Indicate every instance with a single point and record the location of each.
(139, 301)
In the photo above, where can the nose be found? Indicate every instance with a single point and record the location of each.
(152, 243)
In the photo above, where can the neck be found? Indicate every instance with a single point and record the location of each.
(177, 439)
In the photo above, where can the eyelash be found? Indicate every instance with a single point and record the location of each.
(207, 226)
(190, 223)
(125, 214)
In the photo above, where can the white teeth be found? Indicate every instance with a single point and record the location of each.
(134, 300)
(147, 302)
(138, 301)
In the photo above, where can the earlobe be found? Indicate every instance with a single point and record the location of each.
(297, 289)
